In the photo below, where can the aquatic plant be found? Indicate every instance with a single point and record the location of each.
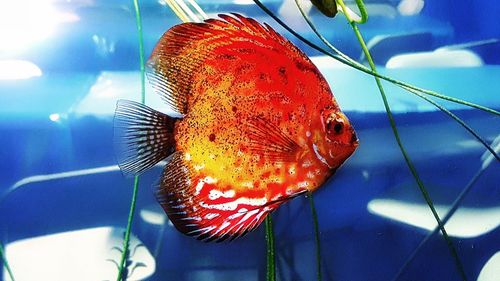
(6, 263)
(423, 190)
(271, 260)
(122, 265)
(317, 238)
(129, 266)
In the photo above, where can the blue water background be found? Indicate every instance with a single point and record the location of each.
(81, 57)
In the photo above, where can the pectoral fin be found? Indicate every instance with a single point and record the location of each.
(269, 141)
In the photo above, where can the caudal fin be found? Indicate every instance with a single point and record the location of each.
(143, 136)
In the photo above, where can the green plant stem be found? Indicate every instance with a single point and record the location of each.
(408, 161)
(362, 10)
(133, 201)
(138, 21)
(271, 266)
(126, 239)
(366, 70)
(316, 237)
(440, 107)
(6, 263)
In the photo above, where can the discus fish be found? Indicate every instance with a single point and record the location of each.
(255, 125)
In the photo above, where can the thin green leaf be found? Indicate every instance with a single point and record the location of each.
(316, 237)
(271, 264)
(6, 263)
(133, 202)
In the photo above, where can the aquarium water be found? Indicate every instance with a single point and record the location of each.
(64, 203)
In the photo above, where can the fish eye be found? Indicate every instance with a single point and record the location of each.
(338, 128)
(335, 127)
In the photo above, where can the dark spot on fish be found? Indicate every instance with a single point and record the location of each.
(304, 67)
(228, 57)
(282, 70)
(211, 137)
(246, 50)
(234, 109)
(243, 68)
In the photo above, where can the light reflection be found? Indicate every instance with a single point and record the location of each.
(243, 2)
(491, 269)
(410, 7)
(24, 22)
(465, 223)
(54, 117)
(111, 86)
(104, 47)
(80, 255)
(436, 59)
(18, 69)
(153, 216)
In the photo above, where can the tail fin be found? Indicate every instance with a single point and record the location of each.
(143, 136)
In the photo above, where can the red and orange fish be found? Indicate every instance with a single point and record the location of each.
(258, 127)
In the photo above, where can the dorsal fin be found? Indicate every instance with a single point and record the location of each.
(198, 205)
(182, 50)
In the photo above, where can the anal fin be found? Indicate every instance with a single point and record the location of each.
(143, 136)
(198, 205)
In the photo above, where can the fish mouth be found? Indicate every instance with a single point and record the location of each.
(354, 139)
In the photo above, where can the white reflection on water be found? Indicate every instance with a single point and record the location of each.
(25, 22)
(465, 223)
(18, 69)
(79, 255)
(491, 269)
